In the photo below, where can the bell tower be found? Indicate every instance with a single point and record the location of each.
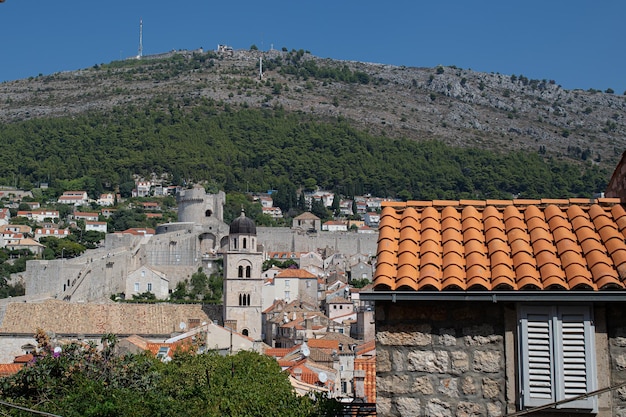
(242, 279)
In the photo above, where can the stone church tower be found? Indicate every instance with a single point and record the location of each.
(242, 279)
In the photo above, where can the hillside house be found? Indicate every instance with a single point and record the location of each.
(5, 216)
(40, 216)
(142, 189)
(96, 226)
(74, 198)
(51, 229)
(88, 217)
(371, 219)
(494, 307)
(273, 212)
(106, 200)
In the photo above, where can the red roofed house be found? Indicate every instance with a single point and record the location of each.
(74, 198)
(291, 284)
(5, 216)
(495, 307)
(96, 226)
(88, 217)
(335, 226)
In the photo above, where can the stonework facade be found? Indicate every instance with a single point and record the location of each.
(462, 359)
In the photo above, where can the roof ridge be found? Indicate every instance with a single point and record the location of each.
(520, 202)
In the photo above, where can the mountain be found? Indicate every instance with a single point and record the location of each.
(458, 106)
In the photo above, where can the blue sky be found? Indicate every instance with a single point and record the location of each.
(579, 44)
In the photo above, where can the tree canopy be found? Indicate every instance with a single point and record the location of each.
(269, 149)
(80, 380)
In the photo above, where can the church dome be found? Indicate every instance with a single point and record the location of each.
(242, 225)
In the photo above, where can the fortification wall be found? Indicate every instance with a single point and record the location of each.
(286, 240)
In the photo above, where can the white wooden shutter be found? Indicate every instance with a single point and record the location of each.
(537, 356)
(575, 356)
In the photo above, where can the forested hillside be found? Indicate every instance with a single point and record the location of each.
(260, 149)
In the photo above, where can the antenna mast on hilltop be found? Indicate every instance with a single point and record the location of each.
(140, 52)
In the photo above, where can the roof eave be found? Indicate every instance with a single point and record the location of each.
(496, 296)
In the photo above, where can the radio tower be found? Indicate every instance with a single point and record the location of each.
(140, 52)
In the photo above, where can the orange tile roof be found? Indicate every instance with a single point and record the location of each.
(8, 369)
(502, 245)
(323, 343)
(369, 366)
(294, 273)
(278, 352)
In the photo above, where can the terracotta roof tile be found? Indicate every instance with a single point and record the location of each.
(8, 369)
(502, 244)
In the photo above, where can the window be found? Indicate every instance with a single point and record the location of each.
(244, 299)
(149, 286)
(136, 287)
(163, 352)
(287, 295)
(248, 271)
(286, 283)
(557, 356)
(240, 272)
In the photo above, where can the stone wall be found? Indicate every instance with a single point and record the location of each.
(617, 353)
(439, 359)
(279, 239)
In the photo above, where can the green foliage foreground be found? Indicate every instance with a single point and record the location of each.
(81, 380)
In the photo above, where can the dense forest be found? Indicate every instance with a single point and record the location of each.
(244, 149)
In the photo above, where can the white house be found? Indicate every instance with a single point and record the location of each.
(74, 198)
(96, 226)
(273, 212)
(107, 199)
(289, 285)
(91, 217)
(51, 231)
(147, 279)
(39, 215)
(335, 226)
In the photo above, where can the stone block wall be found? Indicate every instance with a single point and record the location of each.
(616, 326)
(440, 359)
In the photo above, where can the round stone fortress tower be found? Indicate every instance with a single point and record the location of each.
(196, 206)
(200, 218)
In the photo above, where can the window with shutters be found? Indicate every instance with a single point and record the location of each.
(557, 356)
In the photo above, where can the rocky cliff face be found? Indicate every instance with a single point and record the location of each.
(459, 106)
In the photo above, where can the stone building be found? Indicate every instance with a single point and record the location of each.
(498, 307)
(178, 249)
(243, 262)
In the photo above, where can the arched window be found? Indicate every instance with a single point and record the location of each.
(244, 242)
(248, 269)
(247, 299)
(240, 274)
(208, 213)
(240, 299)
(244, 332)
(235, 243)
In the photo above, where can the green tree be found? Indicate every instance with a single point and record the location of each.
(199, 284)
(318, 208)
(82, 380)
(336, 206)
